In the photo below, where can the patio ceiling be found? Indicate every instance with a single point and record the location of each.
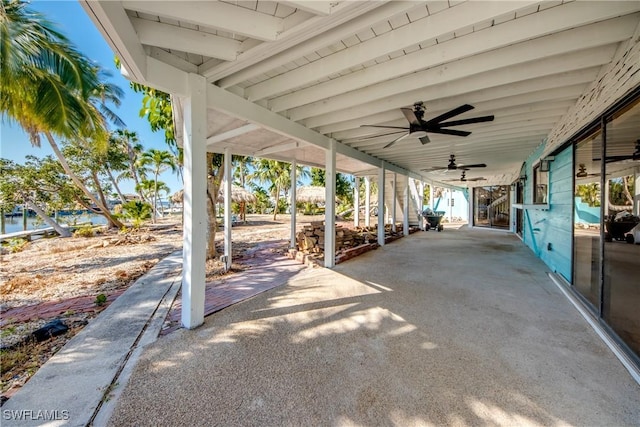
(286, 76)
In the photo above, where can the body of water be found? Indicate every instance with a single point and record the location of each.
(14, 223)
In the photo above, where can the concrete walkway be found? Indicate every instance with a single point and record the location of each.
(453, 328)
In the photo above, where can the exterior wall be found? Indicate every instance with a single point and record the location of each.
(553, 226)
(460, 204)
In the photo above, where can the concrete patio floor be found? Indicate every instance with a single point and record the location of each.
(455, 328)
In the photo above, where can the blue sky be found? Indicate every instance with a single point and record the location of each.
(72, 21)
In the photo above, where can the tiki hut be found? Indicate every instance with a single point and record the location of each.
(240, 196)
(310, 194)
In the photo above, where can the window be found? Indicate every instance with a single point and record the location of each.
(540, 185)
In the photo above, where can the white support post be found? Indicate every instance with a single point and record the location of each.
(367, 201)
(394, 200)
(405, 213)
(356, 203)
(431, 196)
(195, 208)
(450, 201)
(330, 206)
(421, 199)
(294, 185)
(381, 176)
(227, 210)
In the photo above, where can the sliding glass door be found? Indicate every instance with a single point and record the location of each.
(491, 206)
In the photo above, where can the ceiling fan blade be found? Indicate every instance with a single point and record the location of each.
(364, 138)
(410, 116)
(459, 110)
(467, 121)
(477, 165)
(434, 168)
(396, 140)
(450, 132)
(475, 179)
(387, 127)
(424, 140)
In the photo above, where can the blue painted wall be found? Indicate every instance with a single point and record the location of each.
(460, 204)
(554, 226)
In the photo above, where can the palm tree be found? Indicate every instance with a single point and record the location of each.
(128, 143)
(278, 176)
(54, 89)
(159, 161)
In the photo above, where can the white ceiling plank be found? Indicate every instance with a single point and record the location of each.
(219, 15)
(490, 100)
(518, 61)
(494, 85)
(493, 38)
(303, 40)
(215, 139)
(449, 20)
(277, 148)
(321, 8)
(114, 24)
(236, 106)
(171, 37)
(173, 60)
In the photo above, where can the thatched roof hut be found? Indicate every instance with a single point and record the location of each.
(310, 194)
(238, 194)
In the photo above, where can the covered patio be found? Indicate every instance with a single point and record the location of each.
(475, 333)
(297, 80)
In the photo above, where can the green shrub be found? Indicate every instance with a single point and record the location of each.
(101, 299)
(137, 212)
(84, 231)
(16, 244)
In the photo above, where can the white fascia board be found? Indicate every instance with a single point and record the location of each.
(228, 103)
(308, 36)
(427, 28)
(321, 8)
(507, 34)
(218, 15)
(110, 18)
(186, 40)
(499, 88)
(542, 54)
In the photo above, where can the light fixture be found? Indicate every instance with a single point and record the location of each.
(419, 134)
(545, 164)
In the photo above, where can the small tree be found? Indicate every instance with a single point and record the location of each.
(137, 212)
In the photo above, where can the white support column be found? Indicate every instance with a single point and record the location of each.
(227, 210)
(394, 200)
(356, 203)
(636, 196)
(367, 201)
(195, 208)
(450, 201)
(294, 185)
(330, 206)
(405, 224)
(431, 196)
(381, 176)
(421, 202)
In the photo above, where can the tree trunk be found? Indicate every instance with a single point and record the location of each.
(134, 173)
(123, 199)
(277, 199)
(63, 232)
(3, 229)
(625, 186)
(112, 220)
(212, 195)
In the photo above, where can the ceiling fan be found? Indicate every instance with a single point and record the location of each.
(463, 178)
(582, 172)
(452, 166)
(418, 128)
